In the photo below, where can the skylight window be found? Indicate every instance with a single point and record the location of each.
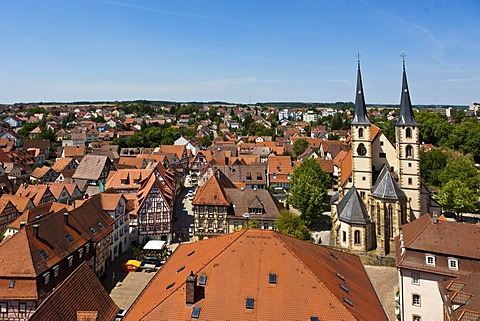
(92, 230)
(344, 288)
(250, 303)
(69, 238)
(190, 253)
(347, 301)
(195, 312)
(169, 286)
(340, 277)
(43, 254)
(100, 225)
(313, 318)
(272, 278)
(334, 255)
(12, 283)
(203, 279)
(181, 268)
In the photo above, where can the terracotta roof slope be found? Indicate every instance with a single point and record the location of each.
(306, 282)
(22, 265)
(61, 164)
(63, 304)
(213, 191)
(19, 202)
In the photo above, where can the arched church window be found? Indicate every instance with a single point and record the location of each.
(356, 237)
(409, 151)
(361, 150)
(390, 220)
(379, 219)
(360, 132)
(408, 132)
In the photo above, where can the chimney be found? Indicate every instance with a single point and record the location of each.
(35, 230)
(22, 224)
(435, 217)
(65, 218)
(191, 288)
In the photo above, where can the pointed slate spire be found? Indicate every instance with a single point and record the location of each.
(406, 113)
(360, 115)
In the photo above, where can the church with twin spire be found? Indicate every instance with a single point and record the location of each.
(380, 187)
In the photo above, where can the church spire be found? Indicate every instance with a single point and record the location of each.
(360, 115)
(406, 113)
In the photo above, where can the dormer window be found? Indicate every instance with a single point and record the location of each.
(46, 277)
(430, 260)
(453, 264)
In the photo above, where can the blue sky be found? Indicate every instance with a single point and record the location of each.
(238, 51)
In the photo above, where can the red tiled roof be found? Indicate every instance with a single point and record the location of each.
(74, 151)
(64, 303)
(61, 164)
(450, 238)
(34, 192)
(20, 202)
(374, 131)
(346, 168)
(326, 165)
(212, 192)
(307, 281)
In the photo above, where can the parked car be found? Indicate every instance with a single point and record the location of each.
(153, 260)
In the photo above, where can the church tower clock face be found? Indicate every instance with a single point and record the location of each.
(361, 150)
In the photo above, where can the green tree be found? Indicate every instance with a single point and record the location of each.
(432, 163)
(435, 128)
(206, 140)
(456, 197)
(462, 169)
(309, 184)
(47, 134)
(26, 129)
(291, 224)
(300, 146)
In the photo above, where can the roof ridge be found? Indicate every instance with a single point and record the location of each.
(240, 233)
(309, 270)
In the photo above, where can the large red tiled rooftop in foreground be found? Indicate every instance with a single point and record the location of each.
(311, 281)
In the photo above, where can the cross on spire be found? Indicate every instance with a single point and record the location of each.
(403, 55)
(358, 56)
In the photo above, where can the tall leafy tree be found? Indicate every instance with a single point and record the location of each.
(456, 197)
(309, 184)
(463, 169)
(291, 224)
(432, 163)
(300, 146)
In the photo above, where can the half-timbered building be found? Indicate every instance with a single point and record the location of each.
(153, 209)
(8, 213)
